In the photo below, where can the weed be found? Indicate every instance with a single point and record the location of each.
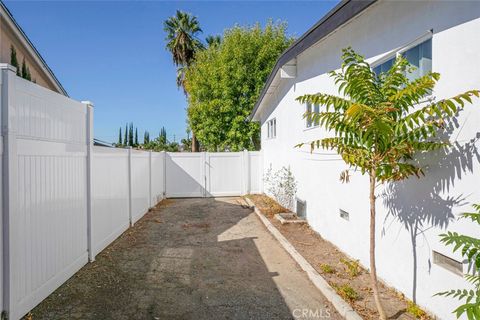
(415, 311)
(352, 267)
(346, 292)
(326, 268)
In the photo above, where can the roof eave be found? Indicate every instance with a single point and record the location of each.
(335, 18)
(30, 47)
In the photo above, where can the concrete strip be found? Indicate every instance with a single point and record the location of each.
(343, 308)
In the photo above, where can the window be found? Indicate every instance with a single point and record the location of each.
(309, 121)
(272, 128)
(384, 67)
(419, 56)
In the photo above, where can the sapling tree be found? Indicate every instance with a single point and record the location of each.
(379, 123)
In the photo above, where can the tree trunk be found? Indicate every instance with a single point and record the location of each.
(373, 268)
(195, 144)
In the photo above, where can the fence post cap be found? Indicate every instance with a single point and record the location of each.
(87, 102)
(6, 66)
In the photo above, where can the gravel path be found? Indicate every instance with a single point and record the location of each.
(190, 259)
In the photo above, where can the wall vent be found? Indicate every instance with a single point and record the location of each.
(301, 207)
(344, 215)
(448, 263)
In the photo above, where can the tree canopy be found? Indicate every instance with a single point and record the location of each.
(225, 81)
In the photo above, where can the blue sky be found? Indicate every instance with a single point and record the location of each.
(113, 52)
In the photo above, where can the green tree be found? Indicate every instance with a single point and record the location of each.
(125, 139)
(130, 135)
(225, 82)
(213, 41)
(146, 137)
(25, 71)
(120, 136)
(379, 125)
(182, 41)
(163, 136)
(470, 248)
(136, 137)
(14, 60)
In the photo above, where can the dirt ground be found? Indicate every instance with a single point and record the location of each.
(190, 259)
(327, 260)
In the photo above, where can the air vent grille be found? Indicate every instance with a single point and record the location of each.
(344, 215)
(301, 209)
(448, 263)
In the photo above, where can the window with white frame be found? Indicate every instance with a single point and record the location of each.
(272, 128)
(419, 56)
(310, 110)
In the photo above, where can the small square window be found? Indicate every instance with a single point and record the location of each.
(272, 128)
(308, 118)
(316, 110)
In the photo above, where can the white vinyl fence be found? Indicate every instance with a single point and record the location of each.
(212, 174)
(65, 200)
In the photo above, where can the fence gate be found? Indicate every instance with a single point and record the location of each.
(211, 174)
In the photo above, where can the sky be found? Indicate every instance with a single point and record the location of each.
(113, 52)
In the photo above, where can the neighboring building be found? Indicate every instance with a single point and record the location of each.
(434, 35)
(12, 35)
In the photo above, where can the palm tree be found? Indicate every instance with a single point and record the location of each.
(213, 41)
(183, 43)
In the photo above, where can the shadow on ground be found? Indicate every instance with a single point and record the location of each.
(186, 259)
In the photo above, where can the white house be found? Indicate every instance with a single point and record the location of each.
(434, 35)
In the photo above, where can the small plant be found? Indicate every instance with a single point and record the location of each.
(281, 185)
(346, 292)
(470, 248)
(326, 268)
(415, 311)
(352, 267)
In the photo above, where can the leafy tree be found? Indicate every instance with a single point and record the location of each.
(120, 136)
(161, 143)
(186, 144)
(136, 137)
(379, 124)
(14, 60)
(182, 41)
(130, 135)
(470, 248)
(26, 71)
(163, 135)
(146, 137)
(225, 82)
(125, 139)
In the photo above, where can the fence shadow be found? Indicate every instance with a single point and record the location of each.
(429, 202)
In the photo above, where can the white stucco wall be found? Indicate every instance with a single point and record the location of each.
(418, 210)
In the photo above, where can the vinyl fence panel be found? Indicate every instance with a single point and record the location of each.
(140, 188)
(255, 175)
(157, 177)
(185, 175)
(225, 173)
(46, 170)
(110, 214)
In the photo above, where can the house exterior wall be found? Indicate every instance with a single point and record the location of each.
(7, 39)
(411, 214)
